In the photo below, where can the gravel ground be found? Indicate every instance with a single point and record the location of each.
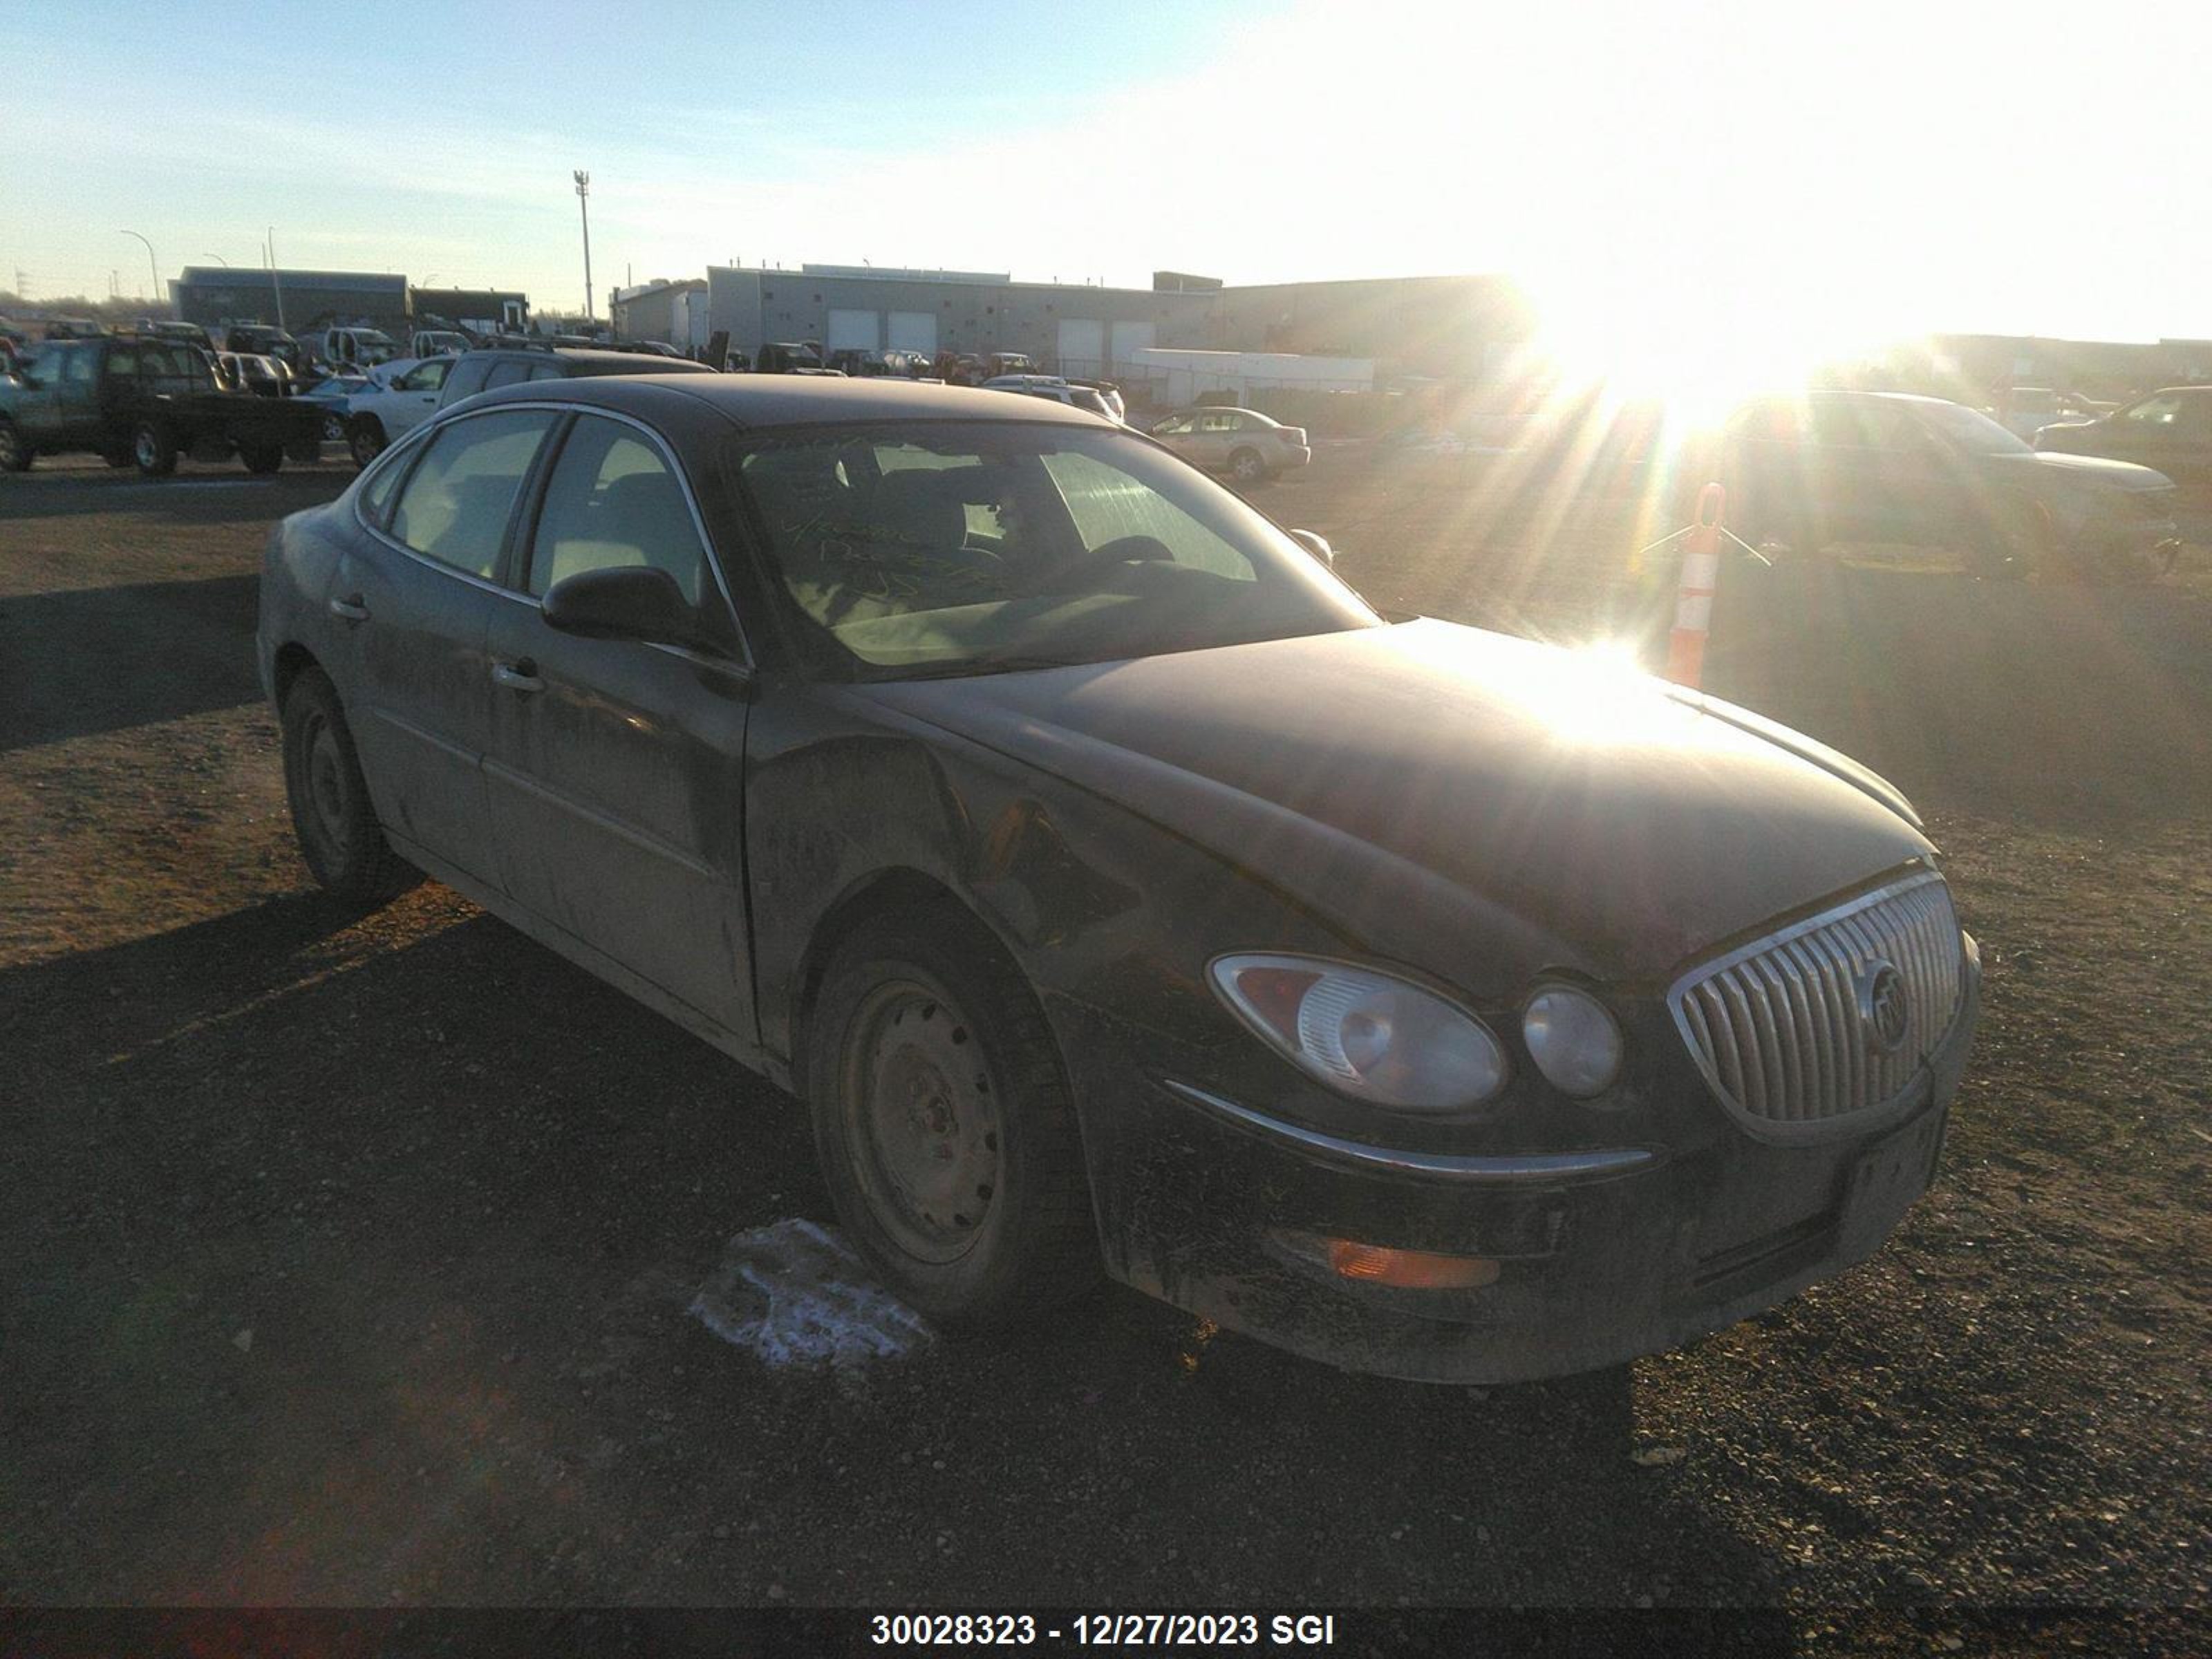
(350, 1257)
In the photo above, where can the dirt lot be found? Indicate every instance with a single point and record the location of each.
(349, 1257)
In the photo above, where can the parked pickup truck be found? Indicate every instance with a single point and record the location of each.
(134, 400)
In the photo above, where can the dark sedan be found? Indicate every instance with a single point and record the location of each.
(1884, 466)
(1118, 890)
(2170, 430)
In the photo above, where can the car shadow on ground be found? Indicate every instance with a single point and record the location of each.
(359, 1254)
(144, 652)
(199, 493)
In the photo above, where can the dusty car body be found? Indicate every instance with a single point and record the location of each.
(1886, 466)
(2169, 431)
(1420, 999)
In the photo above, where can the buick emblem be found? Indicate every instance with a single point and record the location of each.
(1883, 1007)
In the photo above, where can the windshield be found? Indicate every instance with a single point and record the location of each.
(1972, 430)
(975, 547)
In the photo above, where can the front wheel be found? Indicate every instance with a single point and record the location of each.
(331, 813)
(154, 449)
(947, 1137)
(15, 455)
(365, 439)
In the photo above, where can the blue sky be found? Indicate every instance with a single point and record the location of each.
(1765, 172)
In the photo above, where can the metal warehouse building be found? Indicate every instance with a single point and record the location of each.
(297, 299)
(1429, 326)
(1078, 329)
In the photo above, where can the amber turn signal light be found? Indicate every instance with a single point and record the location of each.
(1409, 1270)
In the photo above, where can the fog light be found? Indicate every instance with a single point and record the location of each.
(1409, 1270)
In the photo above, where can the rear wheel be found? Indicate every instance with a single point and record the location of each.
(264, 457)
(331, 813)
(942, 1116)
(365, 439)
(154, 448)
(15, 455)
(1248, 467)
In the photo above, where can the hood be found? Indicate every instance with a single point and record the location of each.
(2093, 469)
(1608, 825)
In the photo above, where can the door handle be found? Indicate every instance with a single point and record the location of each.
(350, 608)
(517, 676)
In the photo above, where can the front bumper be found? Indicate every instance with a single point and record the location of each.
(1214, 1207)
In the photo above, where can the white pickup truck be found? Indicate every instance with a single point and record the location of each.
(400, 396)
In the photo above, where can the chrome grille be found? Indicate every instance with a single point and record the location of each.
(1778, 1029)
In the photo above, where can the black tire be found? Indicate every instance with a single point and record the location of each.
(154, 448)
(262, 457)
(1004, 1229)
(1248, 467)
(15, 455)
(365, 439)
(332, 816)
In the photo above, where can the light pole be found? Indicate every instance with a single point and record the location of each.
(224, 263)
(584, 207)
(152, 268)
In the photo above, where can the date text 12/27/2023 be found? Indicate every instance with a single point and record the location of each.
(1104, 1630)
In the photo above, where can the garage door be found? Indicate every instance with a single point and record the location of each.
(1082, 347)
(1129, 338)
(914, 331)
(852, 331)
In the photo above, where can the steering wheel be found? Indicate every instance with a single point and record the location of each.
(1123, 550)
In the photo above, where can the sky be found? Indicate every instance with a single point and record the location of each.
(1696, 180)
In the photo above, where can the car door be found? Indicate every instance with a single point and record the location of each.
(413, 397)
(412, 594)
(616, 769)
(38, 404)
(1215, 437)
(2143, 433)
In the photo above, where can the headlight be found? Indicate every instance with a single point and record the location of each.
(1365, 1034)
(1573, 1039)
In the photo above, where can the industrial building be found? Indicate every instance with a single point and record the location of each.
(304, 299)
(1449, 326)
(1079, 329)
(295, 300)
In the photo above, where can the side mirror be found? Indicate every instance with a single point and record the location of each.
(626, 602)
(1315, 544)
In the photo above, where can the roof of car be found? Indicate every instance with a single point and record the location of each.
(762, 400)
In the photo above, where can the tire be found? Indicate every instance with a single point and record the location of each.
(263, 458)
(154, 448)
(334, 430)
(332, 816)
(365, 439)
(1247, 466)
(942, 1117)
(15, 455)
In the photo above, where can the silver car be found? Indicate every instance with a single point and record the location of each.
(1243, 442)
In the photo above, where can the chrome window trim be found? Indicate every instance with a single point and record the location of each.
(1512, 1168)
(745, 663)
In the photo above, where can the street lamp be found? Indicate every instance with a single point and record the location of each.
(151, 267)
(221, 260)
(584, 207)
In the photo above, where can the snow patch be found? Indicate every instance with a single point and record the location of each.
(796, 1294)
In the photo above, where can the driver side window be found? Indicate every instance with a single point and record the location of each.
(1107, 505)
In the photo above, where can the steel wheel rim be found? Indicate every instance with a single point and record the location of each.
(322, 782)
(1245, 468)
(10, 449)
(922, 1121)
(144, 450)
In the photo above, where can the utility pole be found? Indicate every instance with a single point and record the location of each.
(275, 282)
(584, 207)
